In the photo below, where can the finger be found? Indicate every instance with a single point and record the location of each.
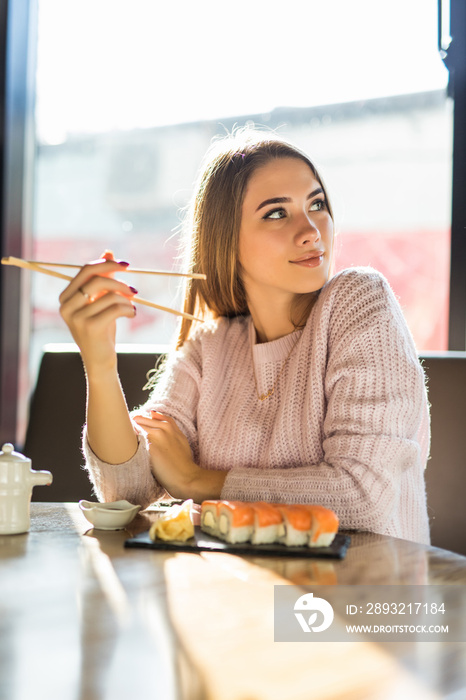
(161, 417)
(97, 268)
(139, 419)
(137, 416)
(157, 431)
(158, 438)
(92, 324)
(84, 301)
(93, 290)
(146, 422)
(158, 417)
(166, 423)
(102, 268)
(108, 255)
(158, 421)
(97, 286)
(91, 319)
(104, 303)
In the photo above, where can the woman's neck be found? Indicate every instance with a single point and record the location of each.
(271, 321)
(268, 332)
(275, 320)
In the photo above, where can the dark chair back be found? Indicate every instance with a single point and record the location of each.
(57, 414)
(446, 469)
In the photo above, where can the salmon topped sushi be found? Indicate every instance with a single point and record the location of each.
(297, 525)
(260, 522)
(209, 517)
(268, 523)
(324, 526)
(235, 521)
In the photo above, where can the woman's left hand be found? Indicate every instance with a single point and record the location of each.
(172, 463)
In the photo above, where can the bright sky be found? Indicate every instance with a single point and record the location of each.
(123, 64)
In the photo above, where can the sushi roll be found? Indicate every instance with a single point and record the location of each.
(209, 517)
(260, 522)
(235, 521)
(268, 523)
(297, 525)
(324, 526)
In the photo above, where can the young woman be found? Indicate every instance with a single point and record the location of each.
(299, 387)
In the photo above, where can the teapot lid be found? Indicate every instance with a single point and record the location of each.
(9, 455)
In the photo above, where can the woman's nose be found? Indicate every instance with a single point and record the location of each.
(308, 233)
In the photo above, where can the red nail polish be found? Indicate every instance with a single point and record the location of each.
(135, 310)
(123, 263)
(133, 289)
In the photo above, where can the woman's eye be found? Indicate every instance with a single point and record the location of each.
(318, 205)
(275, 214)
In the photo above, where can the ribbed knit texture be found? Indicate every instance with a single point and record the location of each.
(346, 427)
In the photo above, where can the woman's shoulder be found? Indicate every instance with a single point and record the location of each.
(356, 284)
(355, 298)
(358, 277)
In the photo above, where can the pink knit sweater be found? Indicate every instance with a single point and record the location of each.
(346, 427)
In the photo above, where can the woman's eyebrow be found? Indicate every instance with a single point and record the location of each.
(282, 200)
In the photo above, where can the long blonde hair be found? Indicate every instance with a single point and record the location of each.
(212, 223)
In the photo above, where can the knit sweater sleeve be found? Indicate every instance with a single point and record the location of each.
(376, 408)
(132, 480)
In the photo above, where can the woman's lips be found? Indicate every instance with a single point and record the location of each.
(311, 260)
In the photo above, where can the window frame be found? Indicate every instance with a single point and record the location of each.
(18, 41)
(454, 57)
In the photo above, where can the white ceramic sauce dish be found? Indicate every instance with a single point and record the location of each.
(109, 516)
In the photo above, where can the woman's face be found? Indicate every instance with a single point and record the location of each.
(286, 234)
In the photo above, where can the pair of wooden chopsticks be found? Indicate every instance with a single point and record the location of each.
(42, 267)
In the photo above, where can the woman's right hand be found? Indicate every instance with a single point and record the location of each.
(90, 306)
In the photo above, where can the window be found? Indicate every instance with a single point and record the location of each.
(129, 96)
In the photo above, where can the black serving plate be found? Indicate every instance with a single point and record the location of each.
(202, 542)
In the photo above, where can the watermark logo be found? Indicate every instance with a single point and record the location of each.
(312, 606)
(383, 613)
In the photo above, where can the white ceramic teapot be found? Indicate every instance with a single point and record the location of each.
(17, 480)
